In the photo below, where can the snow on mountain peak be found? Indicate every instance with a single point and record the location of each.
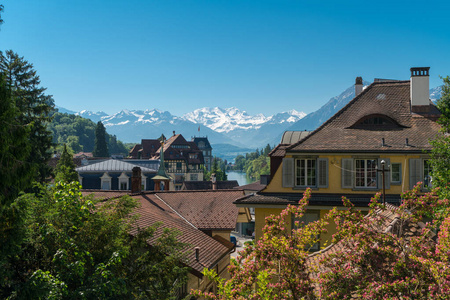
(229, 119)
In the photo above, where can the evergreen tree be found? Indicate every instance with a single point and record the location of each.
(34, 106)
(65, 170)
(16, 175)
(100, 148)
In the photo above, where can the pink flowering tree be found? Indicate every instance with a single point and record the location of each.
(372, 258)
(395, 260)
(275, 267)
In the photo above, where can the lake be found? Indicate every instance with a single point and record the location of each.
(241, 177)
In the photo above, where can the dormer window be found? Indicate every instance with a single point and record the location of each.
(376, 122)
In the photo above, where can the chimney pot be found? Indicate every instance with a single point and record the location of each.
(358, 85)
(382, 142)
(197, 253)
(406, 142)
(136, 180)
(420, 89)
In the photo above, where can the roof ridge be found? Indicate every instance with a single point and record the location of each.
(177, 213)
(338, 113)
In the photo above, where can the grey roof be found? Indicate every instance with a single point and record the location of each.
(113, 165)
(292, 137)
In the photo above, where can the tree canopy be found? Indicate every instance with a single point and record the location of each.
(101, 147)
(371, 262)
(34, 106)
(74, 248)
(65, 169)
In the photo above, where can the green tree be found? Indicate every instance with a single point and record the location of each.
(35, 108)
(440, 154)
(101, 147)
(76, 249)
(65, 170)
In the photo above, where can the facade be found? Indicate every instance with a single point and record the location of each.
(183, 160)
(387, 125)
(204, 145)
(115, 174)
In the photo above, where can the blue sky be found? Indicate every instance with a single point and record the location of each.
(259, 56)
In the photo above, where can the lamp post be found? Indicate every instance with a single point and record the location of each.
(383, 170)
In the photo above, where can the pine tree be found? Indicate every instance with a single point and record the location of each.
(101, 147)
(15, 173)
(35, 108)
(65, 170)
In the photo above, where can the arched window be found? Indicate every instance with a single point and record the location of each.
(376, 122)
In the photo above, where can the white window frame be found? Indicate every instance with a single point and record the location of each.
(124, 179)
(309, 179)
(366, 173)
(399, 181)
(105, 179)
(290, 172)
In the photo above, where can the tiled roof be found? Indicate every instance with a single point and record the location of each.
(255, 186)
(153, 210)
(279, 150)
(206, 210)
(112, 165)
(360, 200)
(207, 185)
(390, 99)
(104, 194)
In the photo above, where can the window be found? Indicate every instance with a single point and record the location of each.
(194, 177)
(396, 173)
(105, 181)
(366, 173)
(420, 171)
(302, 172)
(305, 172)
(123, 182)
(362, 173)
(178, 165)
(426, 174)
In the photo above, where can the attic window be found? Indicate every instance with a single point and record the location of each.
(376, 122)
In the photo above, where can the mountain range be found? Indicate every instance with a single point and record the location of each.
(222, 126)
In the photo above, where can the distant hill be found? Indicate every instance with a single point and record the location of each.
(229, 152)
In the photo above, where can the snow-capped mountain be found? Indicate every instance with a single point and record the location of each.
(93, 116)
(222, 126)
(231, 119)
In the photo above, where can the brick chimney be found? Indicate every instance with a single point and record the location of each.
(136, 180)
(214, 181)
(420, 89)
(358, 86)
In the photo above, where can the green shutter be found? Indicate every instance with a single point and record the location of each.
(288, 172)
(347, 173)
(322, 172)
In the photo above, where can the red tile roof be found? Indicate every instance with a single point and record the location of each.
(341, 133)
(153, 210)
(206, 210)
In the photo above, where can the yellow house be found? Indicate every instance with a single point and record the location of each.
(387, 125)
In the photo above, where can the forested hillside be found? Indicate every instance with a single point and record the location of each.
(254, 164)
(78, 134)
